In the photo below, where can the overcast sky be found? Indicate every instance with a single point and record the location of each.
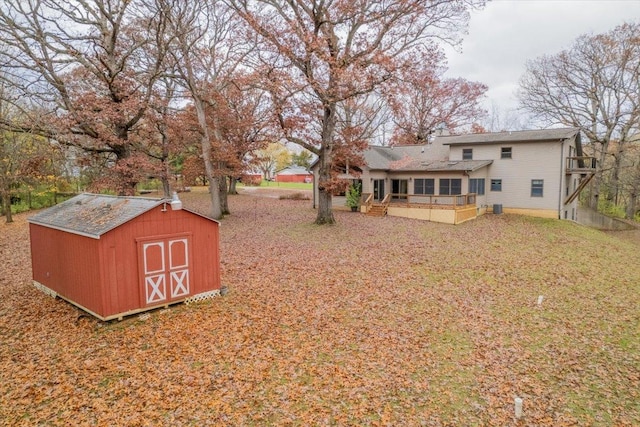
(507, 33)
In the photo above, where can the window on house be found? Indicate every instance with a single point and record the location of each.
(496, 185)
(505, 153)
(424, 186)
(537, 186)
(450, 186)
(467, 154)
(399, 188)
(476, 185)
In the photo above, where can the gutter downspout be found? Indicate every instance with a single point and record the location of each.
(561, 181)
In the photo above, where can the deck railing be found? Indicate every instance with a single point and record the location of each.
(440, 201)
(581, 164)
(367, 200)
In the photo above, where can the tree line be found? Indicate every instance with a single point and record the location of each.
(121, 90)
(135, 88)
(595, 85)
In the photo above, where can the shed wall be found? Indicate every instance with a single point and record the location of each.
(294, 178)
(68, 264)
(119, 255)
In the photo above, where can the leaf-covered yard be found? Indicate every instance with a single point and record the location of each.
(370, 322)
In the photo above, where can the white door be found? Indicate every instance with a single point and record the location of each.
(165, 270)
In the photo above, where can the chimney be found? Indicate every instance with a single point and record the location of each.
(176, 204)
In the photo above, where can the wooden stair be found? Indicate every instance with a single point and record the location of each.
(377, 210)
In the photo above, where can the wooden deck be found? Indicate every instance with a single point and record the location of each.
(583, 164)
(452, 209)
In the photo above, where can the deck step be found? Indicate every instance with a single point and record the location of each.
(377, 210)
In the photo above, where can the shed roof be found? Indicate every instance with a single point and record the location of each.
(93, 215)
(507, 137)
(293, 170)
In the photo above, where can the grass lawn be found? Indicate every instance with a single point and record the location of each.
(284, 185)
(373, 321)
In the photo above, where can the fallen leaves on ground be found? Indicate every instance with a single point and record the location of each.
(373, 321)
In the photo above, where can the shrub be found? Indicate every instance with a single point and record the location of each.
(295, 196)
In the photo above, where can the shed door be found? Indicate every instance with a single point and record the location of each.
(165, 270)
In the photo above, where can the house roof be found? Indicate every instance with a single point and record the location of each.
(415, 158)
(381, 158)
(92, 215)
(508, 137)
(293, 170)
(442, 166)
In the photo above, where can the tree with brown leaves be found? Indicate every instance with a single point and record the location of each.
(319, 54)
(91, 66)
(421, 100)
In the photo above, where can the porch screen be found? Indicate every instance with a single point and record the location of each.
(451, 186)
(424, 186)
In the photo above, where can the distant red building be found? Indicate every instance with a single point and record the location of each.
(294, 174)
(115, 256)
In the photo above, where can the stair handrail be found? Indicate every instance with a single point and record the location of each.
(367, 199)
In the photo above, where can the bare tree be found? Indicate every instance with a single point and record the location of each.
(322, 53)
(499, 119)
(631, 179)
(422, 99)
(593, 86)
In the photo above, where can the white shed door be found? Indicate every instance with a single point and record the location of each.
(165, 270)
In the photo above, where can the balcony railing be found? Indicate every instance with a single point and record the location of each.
(581, 164)
(432, 201)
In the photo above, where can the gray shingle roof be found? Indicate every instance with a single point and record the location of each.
(378, 157)
(415, 158)
(293, 170)
(443, 166)
(93, 215)
(505, 137)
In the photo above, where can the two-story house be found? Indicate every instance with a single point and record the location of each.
(456, 178)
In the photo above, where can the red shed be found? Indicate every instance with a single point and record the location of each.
(115, 256)
(294, 174)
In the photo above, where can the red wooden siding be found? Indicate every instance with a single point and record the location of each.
(293, 178)
(67, 263)
(156, 225)
(104, 275)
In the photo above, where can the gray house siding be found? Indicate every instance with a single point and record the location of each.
(540, 161)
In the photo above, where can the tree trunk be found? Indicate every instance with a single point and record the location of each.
(631, 206)
(166, 187)
(617, 166)
(214, 192)
(205, 143)
(6, 204)
(126, 173)
(232, 186)
(597, 181)
(325, 211)
(166, 173)
(224, 200)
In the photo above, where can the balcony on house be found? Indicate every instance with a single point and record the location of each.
(582, 164)
(586, 167)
